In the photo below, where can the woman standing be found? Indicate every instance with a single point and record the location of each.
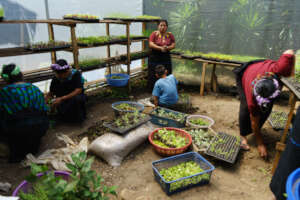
(23, 114)
(161, 43)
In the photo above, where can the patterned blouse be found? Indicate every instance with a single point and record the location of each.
(18, 97)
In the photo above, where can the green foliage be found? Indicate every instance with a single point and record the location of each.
(161, 112)
(201, 138)
(147, 32)
(147, 17)
(83, 183)
(49, 44)
(94, 39)
(116, 77)
(170, 138)
(81, 16)
(88, 62)
(1, 12)
(200, 122)
(119, 15)
(182, 170)
(126, 107)
(128, 119)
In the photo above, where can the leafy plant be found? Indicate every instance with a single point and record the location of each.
(201, 138)
(116, 77)
(161, 112)
(170, 138)
(147, 17)
(83, 183)
(1, 12)
(200, 121)
(126, 107)
(89, 62)
(128, 120)
(49, 44)
(119, 15)
(81, 16)
(182, 170)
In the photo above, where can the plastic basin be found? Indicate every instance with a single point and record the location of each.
(117, 82)
(206, 118)
(293, 185)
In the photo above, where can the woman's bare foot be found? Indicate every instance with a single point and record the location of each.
(244, 144)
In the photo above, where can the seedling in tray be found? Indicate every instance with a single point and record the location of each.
(81, 16)
(169, 139)
(201, 138)
(125, 106)
(224, 147)
(200, 122)
(47, 45)
(181, 170)
(179, 117)
(128, 120)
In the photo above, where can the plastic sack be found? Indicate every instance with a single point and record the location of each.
(58, 157)
(113, 148)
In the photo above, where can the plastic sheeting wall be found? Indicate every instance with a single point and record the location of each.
(246, 27)
(12, 35)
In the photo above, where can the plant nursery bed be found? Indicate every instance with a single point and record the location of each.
(85, 18)
(127, 122)
(168, 118)
(130, 19)
(278, 120)
(52, 45)
(183, 171)
(224, 147)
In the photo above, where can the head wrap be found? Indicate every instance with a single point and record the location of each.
(14, 72)
(57, 67)
(264, 101)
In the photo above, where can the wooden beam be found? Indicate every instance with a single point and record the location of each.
(143, 42)
(213, 80)
(51, 37)
(128, 47)
(284, 135)
(280, 146)
(203, 78)
(108, 46)
(74, 46)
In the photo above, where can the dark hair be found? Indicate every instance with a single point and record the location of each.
(265, 88)
(62, 62)
(160, 70)
(7, 69)
(162, 20)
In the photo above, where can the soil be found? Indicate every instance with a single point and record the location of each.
(248, 178)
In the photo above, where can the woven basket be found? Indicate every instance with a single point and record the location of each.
(170, 151)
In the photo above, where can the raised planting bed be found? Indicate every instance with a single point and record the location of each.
(278, 120)
(104, 40)
(127, 122)
(178, 173)
(82, 17)
(135, 56)
(224, 147)
(48, 46)
(168, 118)
(93, 63)
(199, 121)
(122, 107)
(146, 18)
(202, 138)
(170, 141)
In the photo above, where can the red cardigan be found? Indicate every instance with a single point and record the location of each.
(282, 67)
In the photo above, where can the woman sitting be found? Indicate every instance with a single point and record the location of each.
(161, 43)
(67, 90)
(23, 114)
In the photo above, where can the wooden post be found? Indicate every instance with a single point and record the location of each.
(283, 137)
(143, 42)
(203, 78)
(74, 46)
(128, 47)
(213, 80)
(108, 46)
(51, 37)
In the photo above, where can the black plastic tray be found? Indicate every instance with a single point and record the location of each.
(82, 19)
(273, 120)
(230, 145)
(124, 131)
(166, 122)
(48, 48)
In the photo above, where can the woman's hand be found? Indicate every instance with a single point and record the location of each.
(57, 101)
(164, 49)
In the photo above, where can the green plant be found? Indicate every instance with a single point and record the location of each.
(81, 16)
(181, 170)
(1, 12)
(201, 138)
(119, 15)
(200, 122)
(83, 182)
(180, 117)
(170, 138)
(147, 17)
(126, 107)
(88, 62)
(128, 120)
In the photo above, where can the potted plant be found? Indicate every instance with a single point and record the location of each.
(81, 183)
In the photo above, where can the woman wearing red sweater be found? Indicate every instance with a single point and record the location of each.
(258, 85)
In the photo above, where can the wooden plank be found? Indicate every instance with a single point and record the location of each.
(74, 47)
(219, 63)
(143, 42)
(287, 83)
(280, 146)
(213, 80)
(108, 46)
(203, 78)
(284, 135)
(51, 37)
(128, 47)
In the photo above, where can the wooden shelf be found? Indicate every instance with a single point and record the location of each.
(63, 22)
(132, 19)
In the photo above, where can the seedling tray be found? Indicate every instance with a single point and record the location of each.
(82, 19)
(48, 48)
(186, 182)
(278, 120)
(224, 147)
(126, 130)
(166, 122)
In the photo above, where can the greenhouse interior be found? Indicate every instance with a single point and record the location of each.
(149, 100)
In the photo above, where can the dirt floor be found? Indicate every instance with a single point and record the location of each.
(248, 178)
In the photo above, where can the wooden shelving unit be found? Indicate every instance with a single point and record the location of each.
(46, 73)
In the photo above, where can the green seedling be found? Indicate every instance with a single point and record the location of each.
(170, 138)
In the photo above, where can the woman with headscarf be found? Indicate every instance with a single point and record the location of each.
(67, 93)
(161, 43)
(23, 114)
(259, 85)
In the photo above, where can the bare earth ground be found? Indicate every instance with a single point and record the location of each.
(247, 179)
